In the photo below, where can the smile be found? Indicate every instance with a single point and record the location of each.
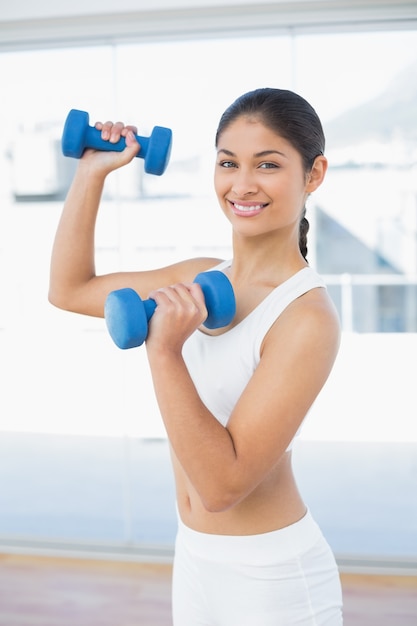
(247, 209)
(252, 207)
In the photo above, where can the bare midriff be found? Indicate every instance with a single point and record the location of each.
(273, 504)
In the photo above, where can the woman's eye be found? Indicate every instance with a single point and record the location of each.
(227, 164)
(268, 166)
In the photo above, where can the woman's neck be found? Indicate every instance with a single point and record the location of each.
(267, 261)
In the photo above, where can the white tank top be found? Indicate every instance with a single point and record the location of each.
(222, 365)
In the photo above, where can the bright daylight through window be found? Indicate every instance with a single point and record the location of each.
(82, 414)
(363, 235)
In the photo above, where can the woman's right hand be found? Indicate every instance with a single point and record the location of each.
(107, 161)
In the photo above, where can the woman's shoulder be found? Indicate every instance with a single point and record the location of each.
(307, 335)
(310, 314)
(313, 314)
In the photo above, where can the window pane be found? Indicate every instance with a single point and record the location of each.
(61, 374)
(366, 212)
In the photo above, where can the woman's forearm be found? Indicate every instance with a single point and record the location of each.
(202, 445)
(73, 284)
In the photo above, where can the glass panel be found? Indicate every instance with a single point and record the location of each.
(366, 212)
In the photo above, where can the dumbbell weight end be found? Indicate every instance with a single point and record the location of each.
(127, 317)
(219, 298)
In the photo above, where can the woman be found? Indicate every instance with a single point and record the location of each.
(248, 552)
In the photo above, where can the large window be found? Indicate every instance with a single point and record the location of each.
(61, 373)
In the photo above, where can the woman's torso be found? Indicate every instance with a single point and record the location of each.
(232, 355)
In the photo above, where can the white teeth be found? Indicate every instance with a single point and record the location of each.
(254, 207)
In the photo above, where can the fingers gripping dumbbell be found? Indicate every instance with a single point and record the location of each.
(127, 315)
(78, 135)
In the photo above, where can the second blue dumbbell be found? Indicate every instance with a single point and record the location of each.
(127, 315)
(78, 135)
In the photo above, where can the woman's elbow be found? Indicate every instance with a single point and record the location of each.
(54, 299)
(57, 300)
(61, 300)
(221, 500)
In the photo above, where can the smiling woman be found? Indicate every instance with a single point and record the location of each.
(361, 239)
(371, 222)
(248, 175)
(231, 444)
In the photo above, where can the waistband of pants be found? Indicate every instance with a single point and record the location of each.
(282, 544)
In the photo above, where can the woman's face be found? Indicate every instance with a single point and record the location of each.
(259, 178)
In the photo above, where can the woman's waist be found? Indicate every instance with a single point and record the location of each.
(257, 548)
(268, 508)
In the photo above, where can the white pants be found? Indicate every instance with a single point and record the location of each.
(282, 578)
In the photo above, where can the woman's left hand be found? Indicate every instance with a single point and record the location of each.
(179, 312)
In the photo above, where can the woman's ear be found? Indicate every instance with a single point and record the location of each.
(317, 174)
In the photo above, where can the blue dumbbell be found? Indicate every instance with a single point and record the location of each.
(127, 315)
(78, 135)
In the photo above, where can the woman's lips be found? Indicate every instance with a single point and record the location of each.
(247, 209)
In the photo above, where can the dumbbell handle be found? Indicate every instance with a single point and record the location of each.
(93, 140)
(149, 305)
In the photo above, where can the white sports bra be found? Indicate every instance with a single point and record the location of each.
(222, 365)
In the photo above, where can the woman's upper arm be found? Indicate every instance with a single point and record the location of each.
(89, 298)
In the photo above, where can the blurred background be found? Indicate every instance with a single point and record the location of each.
(84, 463)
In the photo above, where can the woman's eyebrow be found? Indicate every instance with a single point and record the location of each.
(258, 155)
(228, 152)
(268, 152)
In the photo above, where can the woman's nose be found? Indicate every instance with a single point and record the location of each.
(244, 183)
